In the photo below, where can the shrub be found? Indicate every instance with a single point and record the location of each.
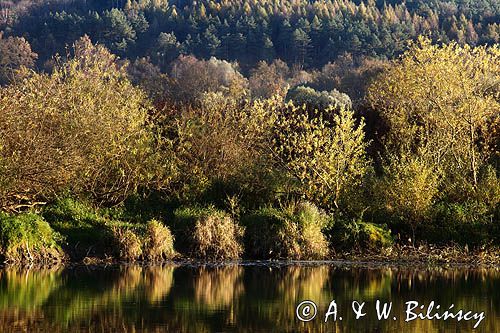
(218, 149)
(408, 190)
(102, 232)
(28, 238)
(469, 223)
(82, 127)
(292, 233)
(267, 80)
(192, 77)
(360, 235)
(312, 220)
(262, 234)
(15, 52)
(326, 158)
(438, 100)
(82, 226)
(158, 243)
(320, 100)
(127, 242)
(78, 212)
(209, 233)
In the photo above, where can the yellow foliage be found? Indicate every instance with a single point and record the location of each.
(440, 102)
(326, 158)
(82, 127)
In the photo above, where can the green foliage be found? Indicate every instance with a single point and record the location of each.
(360, 235)
(78, 212)
(488, 189)
(292, 233)
(118, 31)
(90, 231)
(202, 134)
(470, 223)
(82, 225)
(303, 33)
(28, 238)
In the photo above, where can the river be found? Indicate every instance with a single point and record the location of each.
(246, 297)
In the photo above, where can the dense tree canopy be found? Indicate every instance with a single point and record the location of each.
(15, 53)
(380, 111)
(304, 33)
(81, 128)
(440, 103)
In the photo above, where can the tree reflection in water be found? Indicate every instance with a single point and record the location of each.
(239, 298)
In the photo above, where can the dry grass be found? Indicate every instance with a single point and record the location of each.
(129, 246)
(217, 237)
(292, 233)
(159, 242)
(314, 244)
(152, 242)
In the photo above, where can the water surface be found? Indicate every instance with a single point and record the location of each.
(253, 297)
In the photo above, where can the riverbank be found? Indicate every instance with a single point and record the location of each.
(430, 255)
(71, 231)
(398, 256)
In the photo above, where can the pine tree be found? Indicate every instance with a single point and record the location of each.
(302, 45)
(211, 40)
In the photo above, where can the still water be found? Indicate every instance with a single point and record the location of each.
(250, 297)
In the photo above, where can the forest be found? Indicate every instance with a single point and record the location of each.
(306, 34)
(219, 130)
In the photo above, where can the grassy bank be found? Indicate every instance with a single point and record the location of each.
(74, 231)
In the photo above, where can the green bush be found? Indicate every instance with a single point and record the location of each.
(469, 223)
(78, 212)
(208, 233)
(292, 233)
(28, 238)
(82, 226)
(359, 235)
(104, 232)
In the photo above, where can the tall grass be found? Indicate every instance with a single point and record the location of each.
(158, 243)
(294, 232)
(208, 233)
